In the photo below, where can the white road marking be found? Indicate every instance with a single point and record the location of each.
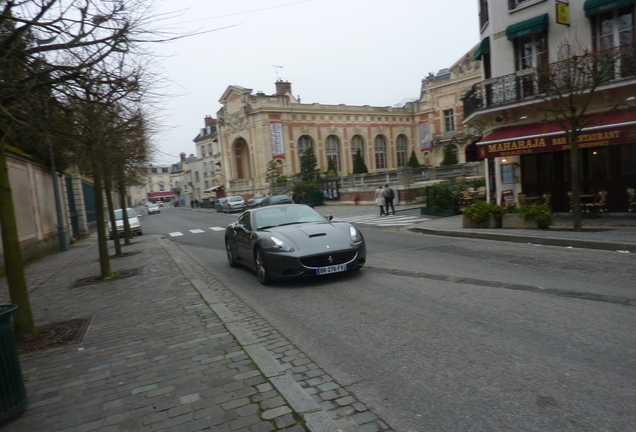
(217, 228)
(196, 231)
(176, 234)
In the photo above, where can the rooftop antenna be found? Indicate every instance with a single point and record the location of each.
(277, 67)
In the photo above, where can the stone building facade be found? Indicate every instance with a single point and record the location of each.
(255, 128)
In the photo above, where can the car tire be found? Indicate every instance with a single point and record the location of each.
(140, 233)
(261, 268)
(230, 254)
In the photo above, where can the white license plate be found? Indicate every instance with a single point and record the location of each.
(331, 269)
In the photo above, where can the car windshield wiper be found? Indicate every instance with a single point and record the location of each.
(267, 227)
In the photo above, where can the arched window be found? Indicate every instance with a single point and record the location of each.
(380, 152)
(400, 150)
(357, 143)
(332, 145)
(304, 142)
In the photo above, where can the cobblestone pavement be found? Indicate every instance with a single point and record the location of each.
(170, 349)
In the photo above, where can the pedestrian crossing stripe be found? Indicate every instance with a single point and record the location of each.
(196, 231)
(217, 228)
(176, 234)
(382, 220)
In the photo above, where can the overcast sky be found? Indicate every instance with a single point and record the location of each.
(354, 52)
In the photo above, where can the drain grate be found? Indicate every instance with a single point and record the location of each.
(56, 334)
(94, 280)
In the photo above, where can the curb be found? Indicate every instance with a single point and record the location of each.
(300, 401)
(516, 238)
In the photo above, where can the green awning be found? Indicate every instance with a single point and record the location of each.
(593, 7)
(526, 27)
(482, 48)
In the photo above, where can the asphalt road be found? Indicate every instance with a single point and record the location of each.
(448, 334)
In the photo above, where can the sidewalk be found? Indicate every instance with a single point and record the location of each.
(166, 348)
(616, 233)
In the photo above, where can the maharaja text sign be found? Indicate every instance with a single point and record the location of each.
(558, 142)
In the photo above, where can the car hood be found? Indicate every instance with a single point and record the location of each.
(313, 234)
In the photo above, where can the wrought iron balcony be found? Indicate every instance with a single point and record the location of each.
(575, 74)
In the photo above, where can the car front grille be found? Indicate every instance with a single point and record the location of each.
(328, 259)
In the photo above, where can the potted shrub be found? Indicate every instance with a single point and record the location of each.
(531, 216)
(483, 215)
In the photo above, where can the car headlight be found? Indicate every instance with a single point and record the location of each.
(280, 245)
(356, 236)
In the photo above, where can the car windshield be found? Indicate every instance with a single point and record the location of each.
(119, 214)
(279, 198)
(234, 199)
(275, 216)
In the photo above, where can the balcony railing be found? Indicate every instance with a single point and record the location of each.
(572, 75)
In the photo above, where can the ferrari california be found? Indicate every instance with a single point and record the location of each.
(291, 240)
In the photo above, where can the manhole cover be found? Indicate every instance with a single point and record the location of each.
(93, 280)
(56, 334)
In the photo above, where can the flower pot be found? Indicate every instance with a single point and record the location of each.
(515, 221)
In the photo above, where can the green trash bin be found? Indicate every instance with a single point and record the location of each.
(13, 397)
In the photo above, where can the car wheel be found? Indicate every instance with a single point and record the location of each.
(261, 268)
(230, 255)
(140, 233)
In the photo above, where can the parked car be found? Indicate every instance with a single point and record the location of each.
(254, 202)
(276, 199)
(133, 220)
(153, 208)
(292, 240)
(159, 203)
(233, 204)
(218, 206)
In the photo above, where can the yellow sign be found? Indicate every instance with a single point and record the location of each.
(562, 14)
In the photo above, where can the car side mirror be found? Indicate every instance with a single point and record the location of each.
(329, 217)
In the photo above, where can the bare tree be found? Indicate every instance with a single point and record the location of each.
(569, 90)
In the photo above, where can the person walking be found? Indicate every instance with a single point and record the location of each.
(389, 194)
(380, 199)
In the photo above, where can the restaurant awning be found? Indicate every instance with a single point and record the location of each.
(615, 128)
(162, 194)
(532, 25)
(482, 48)
(212, 189)
(593, 7)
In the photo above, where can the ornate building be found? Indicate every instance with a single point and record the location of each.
(253, 129)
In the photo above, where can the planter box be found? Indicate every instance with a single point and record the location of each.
(515, 221)
(492, 223)
(433, 212)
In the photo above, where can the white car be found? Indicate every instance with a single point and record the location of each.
(153, 208)
(233, 204)
(133, 220)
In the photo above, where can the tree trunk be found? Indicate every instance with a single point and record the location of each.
(104, 260)
(574, 169)
(111, 212)
(122, 204)
(24, 325)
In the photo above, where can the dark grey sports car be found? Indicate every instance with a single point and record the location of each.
(293, 240)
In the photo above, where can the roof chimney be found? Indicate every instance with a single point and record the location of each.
(283, 87)
(209, 121)
(183, 157)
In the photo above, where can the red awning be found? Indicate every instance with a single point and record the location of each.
(618, 127)
(162, 194)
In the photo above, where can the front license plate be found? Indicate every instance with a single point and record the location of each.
(331, 269)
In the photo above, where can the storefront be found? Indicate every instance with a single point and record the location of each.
(165, 196)
(535, 159)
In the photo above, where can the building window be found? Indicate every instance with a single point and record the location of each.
(614, 28)
(332, 146)
(206, 185)
(205, 167)
(483, 12)
(380, 152)
(357, 143)
(304, 142)
(400, 150)
(196, 176)
(514, 4)
(202, 151)
(449, 120)
(531, 51)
